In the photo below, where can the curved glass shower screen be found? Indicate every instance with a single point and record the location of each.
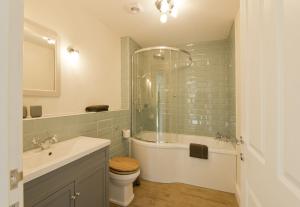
(155, 92)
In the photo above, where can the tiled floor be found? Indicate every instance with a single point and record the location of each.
(179, 195)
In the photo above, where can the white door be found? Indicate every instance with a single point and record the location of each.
(11, 29)
(239, 104)
(270, 38)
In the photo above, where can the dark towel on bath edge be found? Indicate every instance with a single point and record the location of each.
(199, 151)
(97, 108)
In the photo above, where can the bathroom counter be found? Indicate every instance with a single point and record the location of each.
(38, 162)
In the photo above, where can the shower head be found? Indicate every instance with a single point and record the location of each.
(159, 56)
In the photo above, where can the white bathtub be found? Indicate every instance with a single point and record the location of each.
(170, 162)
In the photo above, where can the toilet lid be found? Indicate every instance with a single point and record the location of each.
(124, 164)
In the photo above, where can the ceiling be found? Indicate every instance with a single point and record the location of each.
(198, 20)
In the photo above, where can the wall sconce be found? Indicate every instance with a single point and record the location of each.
(73, 55)
(49, 40)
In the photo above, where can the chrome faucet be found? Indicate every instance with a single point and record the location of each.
(219, 136)
(222, 138)
(45, 143)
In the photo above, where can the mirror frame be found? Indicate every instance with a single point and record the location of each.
(41, 30)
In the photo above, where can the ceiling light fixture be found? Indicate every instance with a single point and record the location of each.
(167, 7)
(164, 6)
(174, 13)
(163, 18)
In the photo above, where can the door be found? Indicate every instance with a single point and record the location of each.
(63, 198)
(11, 21)
(91, 189)
(270, 31)
(239, 103)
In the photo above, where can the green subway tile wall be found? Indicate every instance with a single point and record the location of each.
(206, 91)
(195, 100)
(128, 46)
(106, 125)
(231, 81)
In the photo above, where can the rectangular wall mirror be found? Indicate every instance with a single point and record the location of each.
(40, 61)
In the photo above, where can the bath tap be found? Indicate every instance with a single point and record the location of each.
(219, 136)
(45, 143)
(222, 138)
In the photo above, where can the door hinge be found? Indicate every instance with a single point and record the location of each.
(15, 178)
(240, 141)
(242, 157)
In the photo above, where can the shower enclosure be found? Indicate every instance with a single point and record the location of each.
(155, 90)
(178, 102)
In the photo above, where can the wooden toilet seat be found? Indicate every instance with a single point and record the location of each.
(123, 165)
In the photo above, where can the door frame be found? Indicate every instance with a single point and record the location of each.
(11, 21)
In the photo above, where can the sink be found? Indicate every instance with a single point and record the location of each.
(39, 162)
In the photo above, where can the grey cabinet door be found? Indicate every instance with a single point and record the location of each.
(61, 198)
(92, 189)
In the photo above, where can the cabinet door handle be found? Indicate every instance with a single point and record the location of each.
(73, 197)
(77, 194)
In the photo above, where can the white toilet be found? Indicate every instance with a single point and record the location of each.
(123, 172)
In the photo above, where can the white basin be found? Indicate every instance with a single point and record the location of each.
(40, 162)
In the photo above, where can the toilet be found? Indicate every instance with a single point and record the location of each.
(123, 172)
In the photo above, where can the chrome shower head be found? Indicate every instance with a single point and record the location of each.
(159, 56)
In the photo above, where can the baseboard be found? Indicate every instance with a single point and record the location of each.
(238, 194)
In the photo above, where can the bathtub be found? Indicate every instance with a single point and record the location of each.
(170, 162)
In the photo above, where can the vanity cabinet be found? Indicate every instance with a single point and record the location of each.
(61, 198)
(90, 187)
(82, 183)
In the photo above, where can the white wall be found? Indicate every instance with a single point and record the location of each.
(96, 78)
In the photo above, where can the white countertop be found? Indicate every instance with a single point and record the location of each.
(40, 162)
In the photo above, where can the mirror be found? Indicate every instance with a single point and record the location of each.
(40, 61)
